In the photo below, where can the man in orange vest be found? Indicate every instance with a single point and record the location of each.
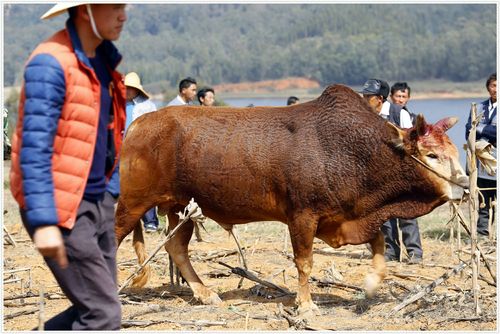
(64, 150)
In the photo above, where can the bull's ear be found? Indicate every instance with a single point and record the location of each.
(396, 136)
(421, 126)
(446, 123)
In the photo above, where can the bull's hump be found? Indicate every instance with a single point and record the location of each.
(338, 94)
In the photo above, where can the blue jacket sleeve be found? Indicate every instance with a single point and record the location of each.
(44, 87)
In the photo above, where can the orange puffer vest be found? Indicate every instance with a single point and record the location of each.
(76, 134)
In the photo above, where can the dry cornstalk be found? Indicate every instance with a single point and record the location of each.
(41, 313)
(428, 288)
(9, 237)
(20, 313)
(218, 254)
(248, 275)
(28, 294)
(486, 262)
(474, 192)
(146, 323)
(325, 281)
(475, 283)
(405, 275)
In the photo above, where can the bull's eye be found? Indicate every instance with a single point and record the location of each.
(432, 156)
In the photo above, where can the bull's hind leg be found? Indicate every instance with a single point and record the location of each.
(127, 219)
(377, 273)
(177, 248)
(302, 230)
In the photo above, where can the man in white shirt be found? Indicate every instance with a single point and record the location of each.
(375, 92)
(187, 92)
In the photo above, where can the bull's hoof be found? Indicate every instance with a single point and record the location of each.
(372, 282)
(307, 310)
(212, 299)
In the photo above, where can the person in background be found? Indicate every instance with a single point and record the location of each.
(65, 148)
(138, 104)
(206, 96)
(486, 130)
(400, 95)
(187, 92)
(292, 100)
(375, 93)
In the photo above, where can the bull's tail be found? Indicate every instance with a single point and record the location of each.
(138, 241)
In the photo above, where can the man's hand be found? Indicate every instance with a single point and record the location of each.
(49, 242)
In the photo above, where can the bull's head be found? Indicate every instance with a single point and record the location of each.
(430, 147)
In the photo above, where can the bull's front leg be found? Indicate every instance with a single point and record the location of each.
(377, 274)
(302, 231)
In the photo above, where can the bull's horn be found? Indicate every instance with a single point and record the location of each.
(421, 126)
(446, 123)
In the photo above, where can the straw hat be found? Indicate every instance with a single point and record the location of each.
(133, 80)
(60, 8)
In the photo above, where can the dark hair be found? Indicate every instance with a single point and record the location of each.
(185, 83)
(384, 89)
(292, 100)
(202, 92)
(400, 86)
(492, 77)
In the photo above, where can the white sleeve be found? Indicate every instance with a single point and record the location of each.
(405, 120)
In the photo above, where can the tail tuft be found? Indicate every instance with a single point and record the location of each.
(138, 241)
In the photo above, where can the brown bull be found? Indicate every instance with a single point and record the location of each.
(329, 168)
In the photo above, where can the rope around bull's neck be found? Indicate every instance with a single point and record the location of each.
(436, 172)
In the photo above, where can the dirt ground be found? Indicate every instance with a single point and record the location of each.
(343, 305)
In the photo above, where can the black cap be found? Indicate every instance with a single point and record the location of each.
(376, 87)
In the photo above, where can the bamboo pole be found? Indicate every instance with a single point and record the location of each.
(471, 161)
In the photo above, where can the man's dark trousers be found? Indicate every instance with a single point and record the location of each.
(482, 221)
(410, 234)
(89, 281)
(150, 217)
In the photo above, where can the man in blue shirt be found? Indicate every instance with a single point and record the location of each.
(487, 131)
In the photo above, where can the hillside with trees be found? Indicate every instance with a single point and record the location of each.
(230, 43)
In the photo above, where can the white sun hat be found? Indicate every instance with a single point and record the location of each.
(60, 8)
(133, 80)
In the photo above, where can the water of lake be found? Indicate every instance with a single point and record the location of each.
(432, 109)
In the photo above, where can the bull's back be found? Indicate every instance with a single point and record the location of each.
(233, 162)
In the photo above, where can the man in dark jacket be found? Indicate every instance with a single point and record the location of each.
(375, 92)
(487, 131)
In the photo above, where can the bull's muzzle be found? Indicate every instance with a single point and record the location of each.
(463, 181)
